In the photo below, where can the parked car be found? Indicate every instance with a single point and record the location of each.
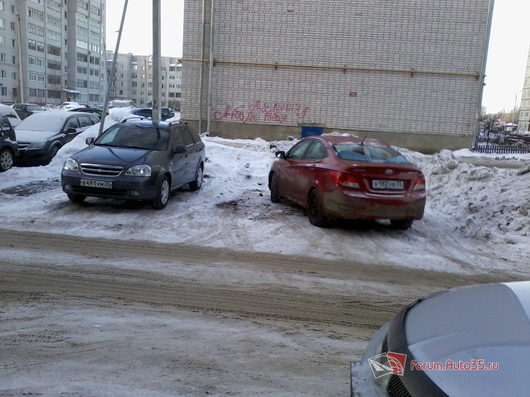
(24, 110)
(136, 160)
(95, 111)
(11, 115)
(41, 135)
(165, 113)
(8, 144)
(346, 177)
(69, 105)
(466, 341)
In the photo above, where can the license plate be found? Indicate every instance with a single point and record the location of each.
(94, 183)
(383, 184)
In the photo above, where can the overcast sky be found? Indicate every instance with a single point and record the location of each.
(507, 55)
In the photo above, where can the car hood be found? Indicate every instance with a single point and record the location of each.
(33, 136)
(114, 155)
(488, 322)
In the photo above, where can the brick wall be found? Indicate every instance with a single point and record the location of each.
(408, 66)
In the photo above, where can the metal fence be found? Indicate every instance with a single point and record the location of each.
(503, 143)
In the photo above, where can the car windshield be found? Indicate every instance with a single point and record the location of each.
(368, 152)
(135, 137)
(37, 123)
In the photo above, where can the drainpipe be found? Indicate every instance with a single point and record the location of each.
(483, 74)
(112, 70)
(210, 67)
(201, 73)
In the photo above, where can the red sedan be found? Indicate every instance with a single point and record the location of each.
(346, 177)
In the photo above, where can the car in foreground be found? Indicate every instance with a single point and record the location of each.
(165, 113)
(41, 135)
(346, 177)
(8, 144)
(27, 109)
(466, 341)
(136, 160)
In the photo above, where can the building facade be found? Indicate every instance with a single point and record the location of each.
(52, 51)
(524, 110)
(410, 73)
(134, 79)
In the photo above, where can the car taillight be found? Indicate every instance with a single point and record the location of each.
(420, 183)
(347, 180)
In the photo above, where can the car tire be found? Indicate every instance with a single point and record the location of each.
(314, 210)
(76, 198)
(51, 154)
(6, 159)
(275, 191)
(401, 224)
(162, 198)
(199, 176)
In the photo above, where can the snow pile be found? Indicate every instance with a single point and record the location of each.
(486, 203)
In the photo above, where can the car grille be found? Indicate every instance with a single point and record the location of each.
(396, 388)
(23, 145)
(101, 170)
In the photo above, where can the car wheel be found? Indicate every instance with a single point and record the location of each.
(401, 224)
(275, 191)
(6, 160)
(314, 210)
(51, 154)
(197, 183)
(76, 198)
(163, 194)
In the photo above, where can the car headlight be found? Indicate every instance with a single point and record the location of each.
(37, 145)
(139, 170)
(70, 165)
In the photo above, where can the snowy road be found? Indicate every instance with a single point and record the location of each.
(207, 320)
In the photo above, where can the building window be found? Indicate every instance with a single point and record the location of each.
(3, 91)
(51, 34)
(82, 57)
(2, 41)
(52, 50)
(54, 65)
(35, 14)
(54, 79)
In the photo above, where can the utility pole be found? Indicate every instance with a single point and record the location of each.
(156, 62)
(20, 72)
(112, 70)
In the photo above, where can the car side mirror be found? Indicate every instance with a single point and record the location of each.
(281, 154)
(179, 149)
(90, 140)
(71, 130)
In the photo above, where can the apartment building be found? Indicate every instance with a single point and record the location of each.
(134, 79)
(52, 51)
(524, 110)
(409, 72)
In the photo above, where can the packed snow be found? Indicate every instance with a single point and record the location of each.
(477, 218)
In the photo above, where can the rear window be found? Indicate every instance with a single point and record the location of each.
(369, 153)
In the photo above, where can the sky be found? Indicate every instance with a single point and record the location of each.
(507, 53)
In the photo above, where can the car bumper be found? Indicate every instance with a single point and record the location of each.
(343, 204)
(123, 188)
(363, 382)
(32, 156)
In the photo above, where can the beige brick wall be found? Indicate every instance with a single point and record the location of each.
(378, 41)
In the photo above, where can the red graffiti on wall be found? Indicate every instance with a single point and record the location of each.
(259, 111)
